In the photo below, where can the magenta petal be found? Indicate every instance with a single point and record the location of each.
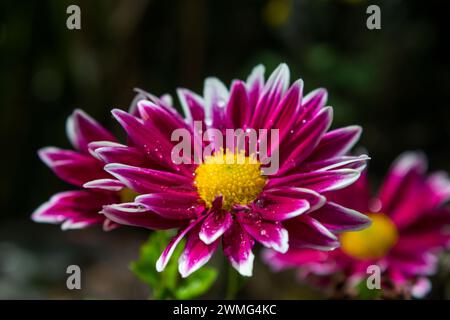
(149, 139)
(237, 246)
(215, 225)
(133, 214)
(420, 198)
(336, 143)
(164, 124)
(165, 121)
(144, 180)
(408, 168)
(283, 116)
(356, 196)
(71, 166)
(168, 251)
(421, 288)
(285, 203)
(140, 95)
(438, 184)
(195, 254)
(319, 181)
(79, 208)
(429, 232)
(305, 140)
(165, 101)
(192, 104)
(216, 97)
(312, 103)
(343, 162)
(175, 205)
(412, 263)
(294, 258)
(111, 152)
(82, 130)
(272, 94)
(238, 111)
(307, 232)
(270, 234)
(109, 225)
(338, 219)
(255, 84)
(104, 184)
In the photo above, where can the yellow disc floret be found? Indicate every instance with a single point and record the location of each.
(373, 242)
(233, 176)
(127, 195)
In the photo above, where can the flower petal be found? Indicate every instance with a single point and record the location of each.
(82, 129)
(104, 184)
(195, 254)
(216, 97)
(165, 101)
(420, 197)
(421, 288)
(319, 181)
(409, 167)
(133, 214)
(71, 166)
(237, 246)
(158, 117)
(312, 103)
(79, 208)
(111, 152)
(175, 205)
(215, 225)
(336, 143)
(192, 104)
(343, 162)
(144, 180)
(295, 257)
(284, 114)
(356, 196)
(273, 92)
(168, 251)
(304, 140)
(150, 140)
(283, 203)
(254, 84)
(307, 232)
(337, 218)
(238, 111)
(270, 234)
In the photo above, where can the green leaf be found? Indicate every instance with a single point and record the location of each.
(365, 293)
(168, 283)
(235, 282)
(144, 267)
(196, 284)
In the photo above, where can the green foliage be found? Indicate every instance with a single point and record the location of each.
(168, 284)
(235, 283)
(365, 293)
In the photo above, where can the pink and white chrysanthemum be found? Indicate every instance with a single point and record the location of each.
(235, 204)
(409, 227)
(79, 208)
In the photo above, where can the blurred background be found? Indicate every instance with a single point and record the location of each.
(394, 82)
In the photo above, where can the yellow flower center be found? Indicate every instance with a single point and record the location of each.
(373, 242)
(233, 176)
(127, 195)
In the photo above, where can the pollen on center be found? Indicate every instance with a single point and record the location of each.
(234, 176)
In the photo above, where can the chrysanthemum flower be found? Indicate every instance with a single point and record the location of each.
(409, 227)
(79, 208)
(234, 203)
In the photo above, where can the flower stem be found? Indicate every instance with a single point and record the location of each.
(234, 283)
